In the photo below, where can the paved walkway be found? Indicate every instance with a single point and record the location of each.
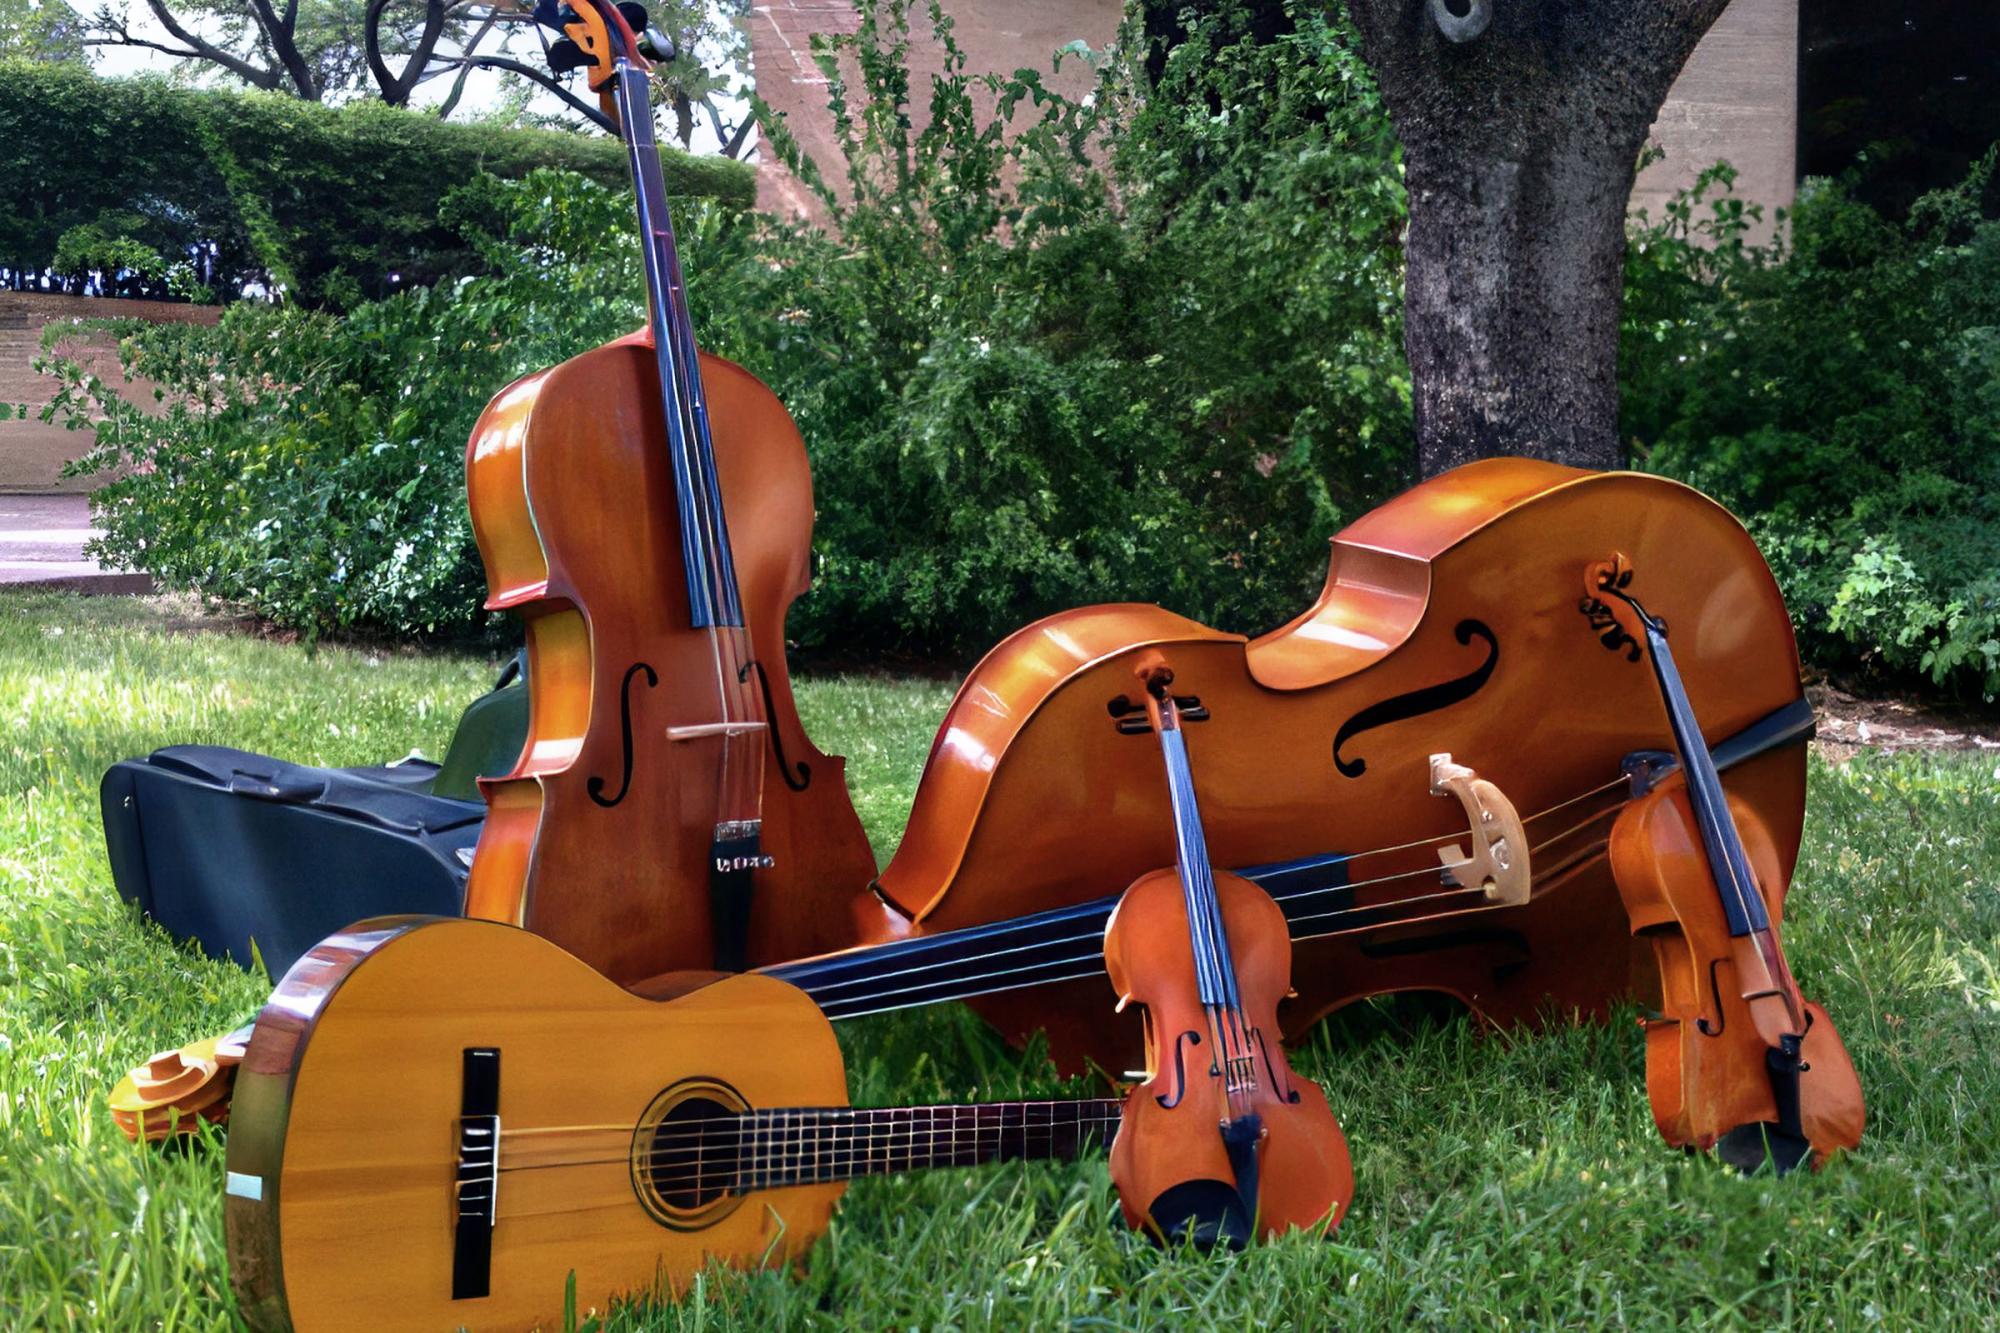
(41, 546)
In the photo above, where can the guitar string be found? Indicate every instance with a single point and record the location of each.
(784, 1138)
(756, 1118)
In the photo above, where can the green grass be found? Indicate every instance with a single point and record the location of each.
(1502, 1181)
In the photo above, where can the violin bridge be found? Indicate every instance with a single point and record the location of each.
(1498, 863)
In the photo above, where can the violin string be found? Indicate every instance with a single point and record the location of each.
(971, 987)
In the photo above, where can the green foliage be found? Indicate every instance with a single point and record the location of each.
(1503, 1181)
(1064, 366)
(338, 205)
(109, 244)
(311, 465)
(1042, 369)
(1842, 392)
(47, 30)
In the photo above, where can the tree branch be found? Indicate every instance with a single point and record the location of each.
(458, 85)
(256, 76)
(539, 78)
(279, 33)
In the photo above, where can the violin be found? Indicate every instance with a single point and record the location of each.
(1739, 1060)
(1449, 624)
(646, 509)
(541, 1126)
(1222, 1141)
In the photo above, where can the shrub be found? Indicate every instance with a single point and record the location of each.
(1062, 367)
(1842, 391)
(331, 202)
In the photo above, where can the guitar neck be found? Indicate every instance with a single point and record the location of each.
(705, 554)
(819, 1145)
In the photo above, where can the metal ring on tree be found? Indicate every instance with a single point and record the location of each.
(1462, 20)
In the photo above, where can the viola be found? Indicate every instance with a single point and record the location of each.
(1449, 624)
(1222, 1142)
(440, 1123)
(646, 509)
(1739, 1059)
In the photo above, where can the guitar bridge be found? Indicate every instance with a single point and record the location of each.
(477, 1187)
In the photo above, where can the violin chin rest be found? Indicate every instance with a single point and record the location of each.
(1207, 1214)
(1750, 1147)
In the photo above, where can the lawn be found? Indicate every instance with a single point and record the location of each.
(1502, 1181)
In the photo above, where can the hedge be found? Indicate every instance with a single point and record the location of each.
(338, 203)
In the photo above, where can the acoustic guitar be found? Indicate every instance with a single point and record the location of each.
(438, 1123)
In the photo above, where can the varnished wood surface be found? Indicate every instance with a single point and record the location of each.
(1306, 1179)
(1032, 799)
(573, 505)
(348, 1106)
(1705, 1070)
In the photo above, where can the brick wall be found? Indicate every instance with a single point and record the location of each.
(1737, 101)
(998, 36)
(32, 454)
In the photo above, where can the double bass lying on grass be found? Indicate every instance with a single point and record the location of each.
(1450, 622)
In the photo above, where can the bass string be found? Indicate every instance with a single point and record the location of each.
(1292, 895)
(962, 987)
(1095, 936)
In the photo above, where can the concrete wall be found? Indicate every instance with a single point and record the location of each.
(1737, 101)
(32, 454)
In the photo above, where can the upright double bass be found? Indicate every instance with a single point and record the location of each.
(646, 509)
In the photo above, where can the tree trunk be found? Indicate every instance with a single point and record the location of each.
(1521, 133)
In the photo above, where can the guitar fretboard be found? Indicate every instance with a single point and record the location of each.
(817, 1145)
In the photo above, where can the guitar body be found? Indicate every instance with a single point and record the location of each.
(1450, 621)
(599, 838)
(343, 1154)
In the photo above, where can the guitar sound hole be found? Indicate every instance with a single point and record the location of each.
(691, 1161)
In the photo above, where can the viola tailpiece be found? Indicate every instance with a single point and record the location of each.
(1739, 1059)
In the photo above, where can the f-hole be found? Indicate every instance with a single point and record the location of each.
(595, 787)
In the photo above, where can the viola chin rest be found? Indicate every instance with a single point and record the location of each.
(1204, 1213)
